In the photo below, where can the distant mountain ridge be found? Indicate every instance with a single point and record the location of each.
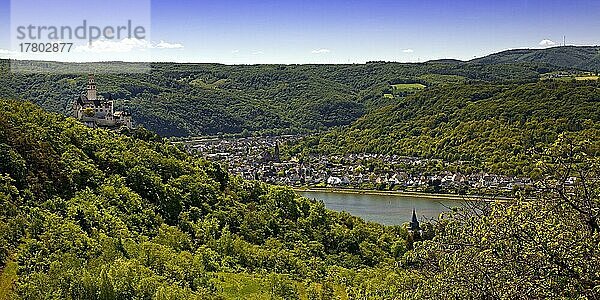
(573, 57)
(210, 99)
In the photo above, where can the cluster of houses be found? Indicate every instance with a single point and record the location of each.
(258, 158)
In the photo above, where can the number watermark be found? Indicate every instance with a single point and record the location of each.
(45, 47)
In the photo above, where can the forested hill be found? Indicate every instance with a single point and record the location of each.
(199, 99)
(92, 214)
(502, 128)
(570, 57)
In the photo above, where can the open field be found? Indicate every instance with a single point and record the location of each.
(248, 286)
(408, 86)
(568, 77)
(587, 78)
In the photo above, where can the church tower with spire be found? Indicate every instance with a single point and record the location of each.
(414, 231)
(414, 223)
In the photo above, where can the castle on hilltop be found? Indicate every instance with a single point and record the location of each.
(95, 111)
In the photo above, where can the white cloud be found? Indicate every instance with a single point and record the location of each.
(236, 51)
(320, 51)
(125, 45)
(6, 54)
(547, 43)
(408, 50)
(166, 45)
(258, 52)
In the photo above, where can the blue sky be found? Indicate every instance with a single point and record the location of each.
(337, 31)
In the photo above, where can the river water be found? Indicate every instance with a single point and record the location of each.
(384, 209)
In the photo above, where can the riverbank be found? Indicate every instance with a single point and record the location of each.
(404, 194)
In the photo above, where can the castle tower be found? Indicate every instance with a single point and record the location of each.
(91, 88)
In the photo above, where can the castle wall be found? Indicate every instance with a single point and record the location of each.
(104, 114)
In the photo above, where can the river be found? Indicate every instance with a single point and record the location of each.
(384, 209)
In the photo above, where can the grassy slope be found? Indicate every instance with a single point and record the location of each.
(8, 275)
(408, 86)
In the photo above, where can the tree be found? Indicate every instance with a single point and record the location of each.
(532, 248)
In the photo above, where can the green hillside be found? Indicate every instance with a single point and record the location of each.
(570, 57)
(207, 99)
(198, 99)
(91, 214)
(502, 128)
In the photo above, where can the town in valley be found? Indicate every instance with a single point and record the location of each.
(259, 158)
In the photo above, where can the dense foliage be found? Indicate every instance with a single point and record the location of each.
(94, 214)
(542, 248)
(207, 99)
(569, 57)
(90, 214)
(502, 128)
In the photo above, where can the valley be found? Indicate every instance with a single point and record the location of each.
(222, 187)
